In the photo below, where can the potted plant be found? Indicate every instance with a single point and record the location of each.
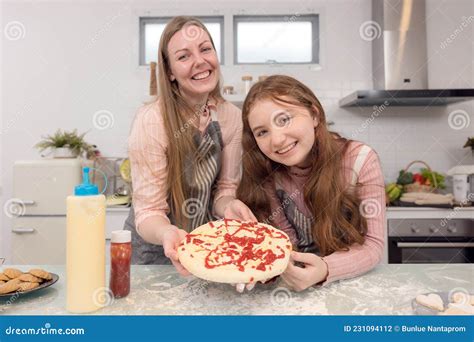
(470, 143)
(64, 144)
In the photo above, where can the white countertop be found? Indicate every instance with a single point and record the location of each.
(160, 290)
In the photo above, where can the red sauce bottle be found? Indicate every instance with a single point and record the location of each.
(120, 256)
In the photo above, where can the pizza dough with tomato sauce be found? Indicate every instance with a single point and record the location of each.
(231, 251)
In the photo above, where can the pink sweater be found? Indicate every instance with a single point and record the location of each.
(359, 258)
(147, 147)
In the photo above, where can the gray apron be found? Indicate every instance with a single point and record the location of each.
(200, 175)
(302, 223)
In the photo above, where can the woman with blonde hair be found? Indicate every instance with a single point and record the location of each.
(185, 148)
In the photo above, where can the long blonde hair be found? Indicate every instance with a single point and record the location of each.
(178, 117)
(334, 207)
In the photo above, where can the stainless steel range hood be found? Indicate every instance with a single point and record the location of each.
(399, 60)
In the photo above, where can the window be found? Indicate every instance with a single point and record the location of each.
(276, 39)
(152, 28)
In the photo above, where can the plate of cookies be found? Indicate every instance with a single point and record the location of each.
(444, 303)
(14, 281)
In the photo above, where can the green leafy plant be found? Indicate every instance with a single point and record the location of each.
(470, 143)
(430, 175)
(404, 178)
(72, 140)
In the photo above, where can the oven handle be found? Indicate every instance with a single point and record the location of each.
(435, 244)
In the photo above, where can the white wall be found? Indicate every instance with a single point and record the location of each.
(80, 57)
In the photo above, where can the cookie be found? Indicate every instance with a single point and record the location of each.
(12, 273)
(10, 286)
(30, 278)
(4, 277)
(26, 286)
(2, 282)
(37, 272)
(432, 301)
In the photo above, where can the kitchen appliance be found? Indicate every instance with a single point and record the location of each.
(40, 188)
(470, 194)
(422, 241)
(463, 183)
(460, 187)
(399, 59)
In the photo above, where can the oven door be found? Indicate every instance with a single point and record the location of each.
(430, 250)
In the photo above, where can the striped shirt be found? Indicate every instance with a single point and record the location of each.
(359, 258)
(147, 147)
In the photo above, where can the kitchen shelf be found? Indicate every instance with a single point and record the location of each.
(237, 99)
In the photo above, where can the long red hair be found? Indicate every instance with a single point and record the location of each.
(333, 203)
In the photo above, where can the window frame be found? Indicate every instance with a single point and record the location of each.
(143, 20)
(313, 18)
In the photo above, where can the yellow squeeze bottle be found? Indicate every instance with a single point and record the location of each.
(85, 263)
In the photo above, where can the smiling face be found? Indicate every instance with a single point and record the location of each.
(283, 132)
(193, 62)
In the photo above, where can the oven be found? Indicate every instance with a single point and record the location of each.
(430, 241)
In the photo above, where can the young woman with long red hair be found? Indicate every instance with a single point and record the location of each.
(325, 191)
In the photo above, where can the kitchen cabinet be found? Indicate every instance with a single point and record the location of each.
(42, 239)
(39, 240)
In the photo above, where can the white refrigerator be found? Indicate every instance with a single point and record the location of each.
(40, 188)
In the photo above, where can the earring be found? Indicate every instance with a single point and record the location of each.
(172, 78)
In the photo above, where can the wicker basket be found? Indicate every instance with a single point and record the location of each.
(415, 187)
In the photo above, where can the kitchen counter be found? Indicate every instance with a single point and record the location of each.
(159, 290)
(430, 213)
(392, 212)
